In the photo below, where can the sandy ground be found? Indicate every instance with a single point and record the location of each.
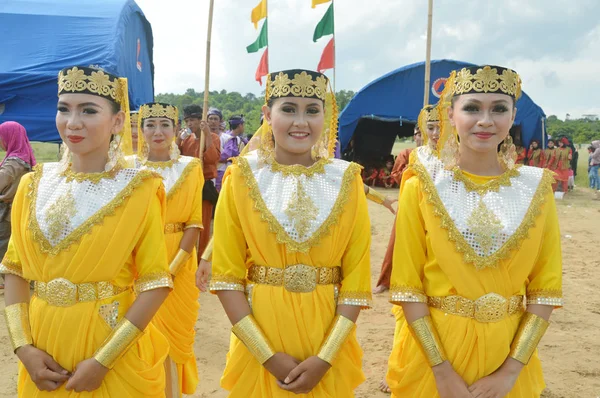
(570, 350)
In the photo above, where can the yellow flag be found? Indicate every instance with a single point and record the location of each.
(259, 12)
(317, 2)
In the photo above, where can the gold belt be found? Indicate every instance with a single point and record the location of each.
(489, 308)
(297, 278)
(61, 292)
(173, 228)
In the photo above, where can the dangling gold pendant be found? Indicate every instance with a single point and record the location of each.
(59, 214)
(485, 226)
(301, 210)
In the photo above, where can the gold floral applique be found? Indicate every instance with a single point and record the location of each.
(301, 210)
(59, 214)
(484, 225)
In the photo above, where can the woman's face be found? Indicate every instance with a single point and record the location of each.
(433, 132)
(534, 144)
(159, 133)
(482, 120)
(297, 123)
(86, 122)
(561, 144)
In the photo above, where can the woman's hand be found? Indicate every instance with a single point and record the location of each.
(449, 383)
(304, 377)
(203, 275)
(499, 383)
(88, 376)
(280, 365)
(388, 202)
(44, 371)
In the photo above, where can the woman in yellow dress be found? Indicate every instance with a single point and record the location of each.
(89, 232)
(291, 251)
(183, 179)
(477, 240)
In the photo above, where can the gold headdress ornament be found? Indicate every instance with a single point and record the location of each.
(155, 110)
(95, 81)
(471, 80)
(303, 84)
(429, 113)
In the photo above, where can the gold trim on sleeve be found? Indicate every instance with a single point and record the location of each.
(375, 196)
(530, 332)
(551, 297)
(10, 267)
(406, 294)
(226, 282)
(276, 228)
(19, 328)
(335, 338)
(249, 333)
(193, 225)
(426, 334)
(363, 300)
(153, 281)
(123, 336)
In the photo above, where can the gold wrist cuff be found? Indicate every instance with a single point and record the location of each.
(180, 259)
(123, 336)
(207, 255)
(248, 331)
(335, 338)
(375, 196)
(17, 321)
(427, 336)
(530, 332)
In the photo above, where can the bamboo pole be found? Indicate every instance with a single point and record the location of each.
(334, 48)
(428, 55)
(206, 80)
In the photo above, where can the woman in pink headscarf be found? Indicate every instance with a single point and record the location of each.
(18, 161)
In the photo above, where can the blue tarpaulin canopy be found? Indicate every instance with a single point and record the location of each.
(397, 98)
(41, 37)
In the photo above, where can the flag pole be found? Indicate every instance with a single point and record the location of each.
(428, 55)
(334, 50)
(206, 80)
(266, 21)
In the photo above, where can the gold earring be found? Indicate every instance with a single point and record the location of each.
(508, 153)
(449, 154)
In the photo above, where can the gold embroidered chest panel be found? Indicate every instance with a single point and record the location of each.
(173, 173)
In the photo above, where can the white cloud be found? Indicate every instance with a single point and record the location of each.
(554, 45)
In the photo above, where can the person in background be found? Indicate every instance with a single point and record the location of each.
(594, 165)
(371, 176)
(232, 144)
(385, 178)
(215, 118)
(518, 141)
(550, 154)
(563, 165)
(536, 156)
(192, 116)
(19, 159)
(134, 129)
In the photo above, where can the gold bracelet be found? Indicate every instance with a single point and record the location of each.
(335, 338)
(248, 331)
(530, 332)
(427, 336)
(17, 321)
(207, 255)
(123, 336)
(180, 259)
(375, 196)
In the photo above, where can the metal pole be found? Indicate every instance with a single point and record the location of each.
(428, 55)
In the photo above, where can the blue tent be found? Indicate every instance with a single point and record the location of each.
(40, 37)
(389, 106)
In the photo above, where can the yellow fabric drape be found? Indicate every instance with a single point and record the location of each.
(426, 261)
(294, 323)
(259, 12)
(126, 246)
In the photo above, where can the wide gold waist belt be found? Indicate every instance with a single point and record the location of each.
(297, 278)
(173, 228)
(64, 293)
(489, 308)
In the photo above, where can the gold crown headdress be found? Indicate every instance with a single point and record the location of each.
(95, 81)
(429, 113)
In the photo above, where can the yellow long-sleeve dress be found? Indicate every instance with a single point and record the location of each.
(472, 236)
(177, 316)
(276, 216)
(90, 242)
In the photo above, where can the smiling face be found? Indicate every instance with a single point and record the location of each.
(159, 133)
(297, 124)
(86, 122)
(433, 132)
(482, 120)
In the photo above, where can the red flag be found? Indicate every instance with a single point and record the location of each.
(328, 57)
(263, 67)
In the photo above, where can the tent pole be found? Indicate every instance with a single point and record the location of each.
(543, 133)
(206, 80)
(428, 55)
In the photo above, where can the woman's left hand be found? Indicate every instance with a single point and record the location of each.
(305, 376)
(387, 203)
(88, 376)
(496, 385)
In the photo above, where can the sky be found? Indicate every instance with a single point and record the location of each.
(553, 44)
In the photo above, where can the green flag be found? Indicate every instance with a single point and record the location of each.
(262, 41)
(325, 26)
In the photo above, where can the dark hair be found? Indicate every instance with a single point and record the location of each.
(190, 110)
(591, 148)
